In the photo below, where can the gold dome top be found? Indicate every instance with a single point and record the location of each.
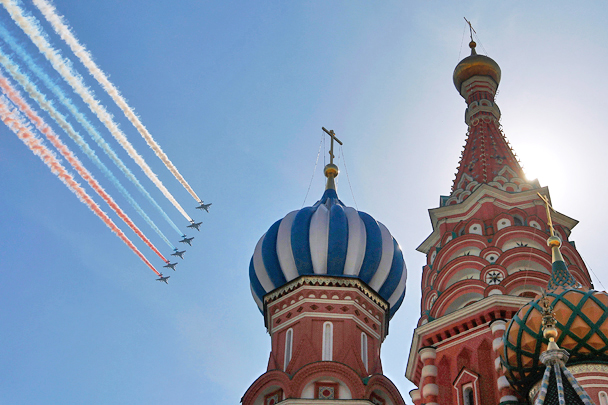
(475, 65)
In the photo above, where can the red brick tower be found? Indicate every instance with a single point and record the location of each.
(486, 257)
(327, 278)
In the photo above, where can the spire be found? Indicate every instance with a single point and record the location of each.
(487, 157)
(560, 275)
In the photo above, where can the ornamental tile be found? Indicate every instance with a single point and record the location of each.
(579, 327)
(528, 342)
(596, 342)
(592, 311)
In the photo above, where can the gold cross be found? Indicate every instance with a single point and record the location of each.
(331, 150)
(471, 30)
(547, 206)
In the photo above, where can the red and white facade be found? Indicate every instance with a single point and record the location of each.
(486, 257)
(326, 336)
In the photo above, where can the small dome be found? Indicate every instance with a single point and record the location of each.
(329, 239)
(475, 65)
(582, 323)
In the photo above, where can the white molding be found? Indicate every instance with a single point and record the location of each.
(328, 316)
(430, 389)
(429, 370)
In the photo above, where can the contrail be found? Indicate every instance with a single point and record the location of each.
(82, 119)
(46, 105)
(16, 124)
(81, 52)
(32, 28)
(16, 99)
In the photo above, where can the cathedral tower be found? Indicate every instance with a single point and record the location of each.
(327, 280)
(486, 258)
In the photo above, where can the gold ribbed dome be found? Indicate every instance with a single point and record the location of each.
(475, 65)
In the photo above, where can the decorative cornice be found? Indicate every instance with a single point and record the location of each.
(329, 281)
(437, 324)
(483, 194)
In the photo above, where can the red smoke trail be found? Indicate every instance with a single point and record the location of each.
(12, 120)
(16, 98)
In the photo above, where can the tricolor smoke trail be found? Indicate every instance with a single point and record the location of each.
(16, 124)
(82, 119)
(16, 98)
(37, 96)
(81, 52)
(32, 28)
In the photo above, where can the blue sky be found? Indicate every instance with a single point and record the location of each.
(236, 93)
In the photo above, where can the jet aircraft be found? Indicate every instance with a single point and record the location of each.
(170, 266)
(178, 253)
(163, 278)
(195, 225)
(187, 240)
(204, 206)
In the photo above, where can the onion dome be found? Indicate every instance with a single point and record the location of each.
(329, 239)
(475, 65)
(581, 320)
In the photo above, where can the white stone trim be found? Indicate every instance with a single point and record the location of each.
(328, 316)
(429, 370)
(497, 344)
(502, 382)
(427, 353)
(507, 398)
(430, 389)
(415, 394)
(498, 324)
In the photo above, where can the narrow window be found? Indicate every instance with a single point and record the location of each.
(517, 221)
(288, 347)
(364, 349)
(468, 396)
(328, 341)
(603, 398)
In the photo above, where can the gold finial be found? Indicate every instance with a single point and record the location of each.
(549, 330)
(553, 241)
(331, 171)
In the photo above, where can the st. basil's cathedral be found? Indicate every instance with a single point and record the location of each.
(508, 313)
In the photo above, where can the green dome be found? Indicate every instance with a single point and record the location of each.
(582, 322)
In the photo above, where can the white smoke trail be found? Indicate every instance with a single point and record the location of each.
(81, 52)
(32, 28)
(13, 120)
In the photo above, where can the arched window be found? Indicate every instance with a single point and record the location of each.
(364, 349)
(288, 347)
(603, 398)
(328, 341)
(469, 398)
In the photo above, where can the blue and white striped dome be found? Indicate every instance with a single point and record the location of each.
(329, 239)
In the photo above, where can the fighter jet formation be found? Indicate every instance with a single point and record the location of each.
(185, 239)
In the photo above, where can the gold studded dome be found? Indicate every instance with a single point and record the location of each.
(475, 65)
(581, 318)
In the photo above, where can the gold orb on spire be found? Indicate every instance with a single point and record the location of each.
(475, 65)
(331, 170)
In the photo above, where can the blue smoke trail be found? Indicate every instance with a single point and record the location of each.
(81, 118)
(35, 94)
